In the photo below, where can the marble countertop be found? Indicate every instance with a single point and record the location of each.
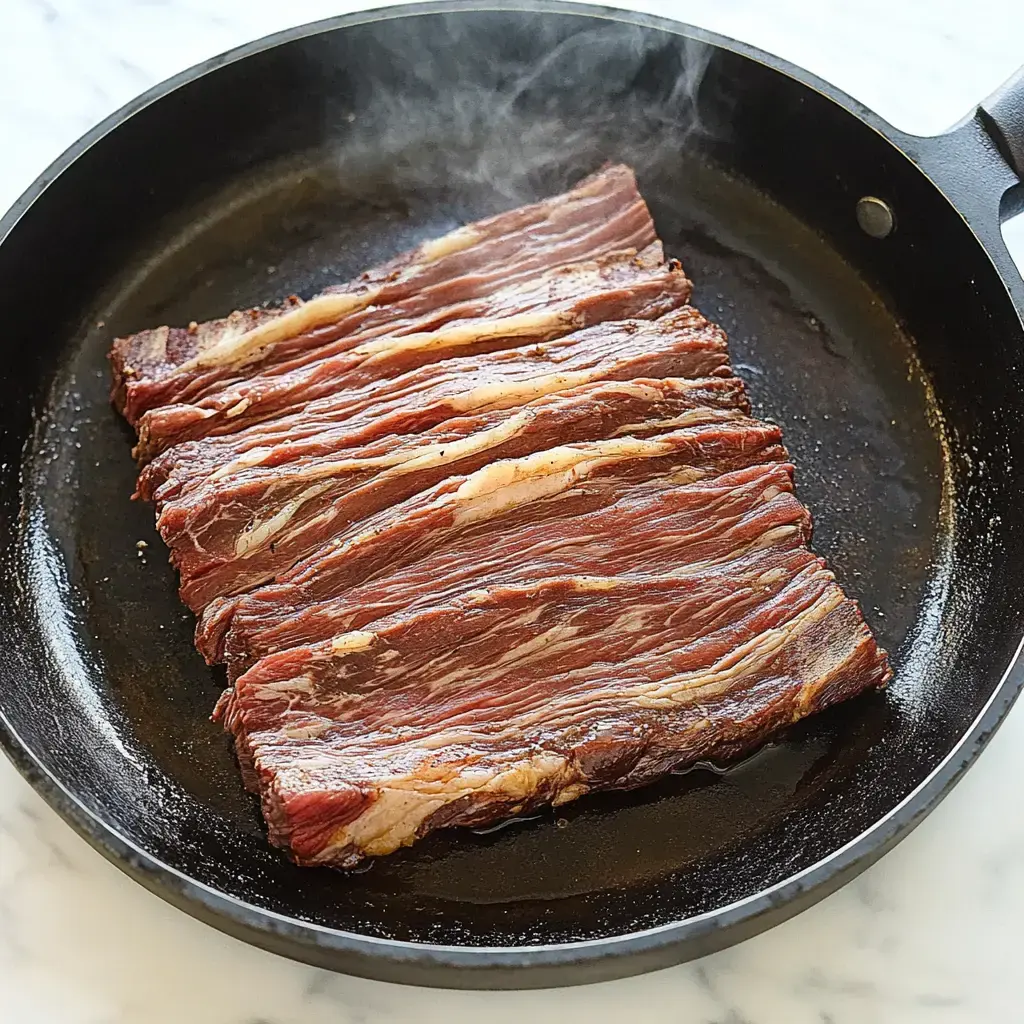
(934, 933)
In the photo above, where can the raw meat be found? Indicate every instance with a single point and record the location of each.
(680, 344)
(601, 215)
(564, 481)
(243, 528)
(510, 698)
(626, 284)
(655, 522)
(488, 528)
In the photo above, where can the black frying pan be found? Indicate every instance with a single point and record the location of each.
(873, 311)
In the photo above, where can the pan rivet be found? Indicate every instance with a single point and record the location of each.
(875, 216)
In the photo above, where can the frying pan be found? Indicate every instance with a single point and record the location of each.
(873, 311)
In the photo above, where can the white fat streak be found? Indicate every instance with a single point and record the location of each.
(423, 457)
(274, 689)
(586, 584)
(686, 419)
(238, 408)
(631, 622)
(455, 241)
(510, 483)
(737, 662)
(404, 803)
(648, 392)
(309, 731)
(356, 640)
(253, 457)
(684, 688)
(495, 488)
(390, 822)
(462, 735)
(522, 325)
(770, 537)
(529, 490)
(512, 496)
(251, 539)
(502, 394)
(560, 459)
(237, 347)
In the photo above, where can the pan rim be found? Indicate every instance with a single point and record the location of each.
(505, 966)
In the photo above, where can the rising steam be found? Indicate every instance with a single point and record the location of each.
(541, 104)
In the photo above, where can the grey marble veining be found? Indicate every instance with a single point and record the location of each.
(933, 934)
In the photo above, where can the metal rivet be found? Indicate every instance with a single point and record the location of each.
(875, 216)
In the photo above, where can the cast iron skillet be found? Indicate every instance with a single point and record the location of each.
(893, 363)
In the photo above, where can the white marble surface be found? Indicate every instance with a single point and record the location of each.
(932, 934)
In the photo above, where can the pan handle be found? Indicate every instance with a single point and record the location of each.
(981, 158)
(1002, 115)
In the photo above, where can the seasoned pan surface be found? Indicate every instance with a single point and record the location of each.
(105, 700)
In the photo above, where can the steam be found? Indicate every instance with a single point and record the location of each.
(528, 113)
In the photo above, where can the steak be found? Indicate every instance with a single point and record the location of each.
(563, 481)
(486, 529)
(679, 344)
(659, 522)
(602, 215)
(242, 529)
(510, 698)
(626, 284)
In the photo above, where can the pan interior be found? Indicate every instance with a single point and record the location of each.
(820, 357)
(823, 352)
